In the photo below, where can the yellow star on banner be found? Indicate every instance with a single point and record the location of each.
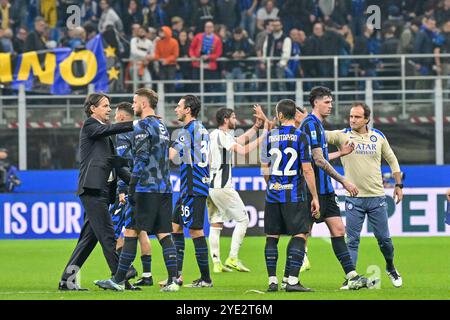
(110, 52)
(113, 73)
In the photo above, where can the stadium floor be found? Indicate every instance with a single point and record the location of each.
(31, 269)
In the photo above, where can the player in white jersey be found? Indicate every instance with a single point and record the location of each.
(224, 203)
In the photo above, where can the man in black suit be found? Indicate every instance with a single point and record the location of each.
(97, 181)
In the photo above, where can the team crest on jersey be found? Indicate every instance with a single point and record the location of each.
(373, 138)
(349, 206)
(314, 134)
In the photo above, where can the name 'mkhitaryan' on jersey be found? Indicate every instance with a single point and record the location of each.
(193, 146)
(284, 150)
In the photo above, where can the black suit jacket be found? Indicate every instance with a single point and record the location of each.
(98, 157)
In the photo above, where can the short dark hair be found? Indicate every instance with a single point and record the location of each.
(191, 101)
(300, 109)
(125, 106)
(151, 96)
(92, 100)
(366, 108)
(318, 93)
(287, 107)
(222, 114)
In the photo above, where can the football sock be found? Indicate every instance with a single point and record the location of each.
(146, 264)
(238, 236)
(296, 254)
(288, 262)
(201, 253)
(214, 243)
(271, 254)
(170, 256)
(341, 251)
(126, 258)
(178, 240)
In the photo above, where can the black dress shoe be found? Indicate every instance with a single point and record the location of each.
(73, 287)
(129, 286)
(131, 273)
(297, 288)
(144, 282)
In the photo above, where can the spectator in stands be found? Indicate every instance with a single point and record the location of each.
(406, 46)
(278, 46)
(109, 17)
(247, 10)
(141, 52)
(152, 34)
(184, 67)
(390, 43)
(6, 38)
(424, 44)
(237, 49)
(341, 12)
(36, 39)
(261, 37)
(294, 65)
(208, 47)
(268, 11)
(7, 15)
(443, 12)
(204, 11)
(89, 12)
(357, 16)
(8, 173)
(227, 13)
(77, 37)
(294, 14)
(91, 30)
(131, 16)
(177, 26)
(315, 46)
(48, 10)
(367, 44)
(19, 40)
(154, 15)
(166, 53)
(179, 8)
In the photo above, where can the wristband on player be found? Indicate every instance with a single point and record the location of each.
(399, 185)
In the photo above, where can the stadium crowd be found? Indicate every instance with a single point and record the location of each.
(156, 33)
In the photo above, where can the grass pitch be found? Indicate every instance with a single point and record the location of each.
(30, 269)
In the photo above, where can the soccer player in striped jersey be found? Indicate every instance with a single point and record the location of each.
(321, 102)
(364, 167)
(191, 148)
(224, 203)
(121, 210)
(150, 191)
(286, 163)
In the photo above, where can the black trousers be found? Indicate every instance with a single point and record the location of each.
(97, 227)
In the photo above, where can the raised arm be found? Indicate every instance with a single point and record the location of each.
(95, 129)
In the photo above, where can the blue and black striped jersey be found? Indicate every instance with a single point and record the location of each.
(192, 146)
(150, 152)
(123, 148)
(313, 128)
(284, 150)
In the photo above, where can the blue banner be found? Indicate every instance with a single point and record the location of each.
(53, 69)
(44, 181)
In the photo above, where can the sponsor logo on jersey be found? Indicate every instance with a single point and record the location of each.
(278, 186)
